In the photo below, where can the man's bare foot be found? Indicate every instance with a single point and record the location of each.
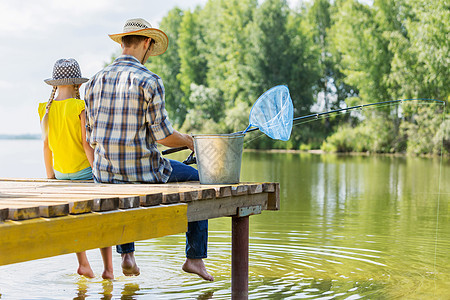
(129, 266)
(196, 266)
(108, 274)
(85, 271)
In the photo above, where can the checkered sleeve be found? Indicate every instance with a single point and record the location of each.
(156, 114)
(88, 95)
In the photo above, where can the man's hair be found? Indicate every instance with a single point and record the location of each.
(133, 40)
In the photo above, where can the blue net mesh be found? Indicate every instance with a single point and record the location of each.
(273, 113)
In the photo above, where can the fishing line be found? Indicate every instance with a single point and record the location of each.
(344, 111)
(439, 196)
(362, 109)
(318, 119)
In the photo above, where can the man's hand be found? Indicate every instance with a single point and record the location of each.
(177, 139)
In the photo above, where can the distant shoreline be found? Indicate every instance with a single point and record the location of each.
(318, 151)
(315, 151)
(27, 136)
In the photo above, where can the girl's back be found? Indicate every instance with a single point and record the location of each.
(64, 134)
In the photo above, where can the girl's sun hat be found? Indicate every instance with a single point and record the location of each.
(66, 72)
(142, 27)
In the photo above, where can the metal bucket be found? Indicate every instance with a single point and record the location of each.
(219, 157)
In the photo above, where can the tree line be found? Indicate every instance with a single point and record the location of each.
(331, 54)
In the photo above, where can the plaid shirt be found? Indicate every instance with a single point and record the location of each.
(126, 115)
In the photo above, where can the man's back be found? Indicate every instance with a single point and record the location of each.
(125, 116)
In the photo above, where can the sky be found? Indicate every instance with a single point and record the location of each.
(36, 33)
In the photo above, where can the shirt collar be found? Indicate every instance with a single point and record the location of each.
(127, 58)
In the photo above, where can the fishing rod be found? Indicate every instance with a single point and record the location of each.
(317, 115)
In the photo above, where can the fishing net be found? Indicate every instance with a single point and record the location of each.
(273, 113)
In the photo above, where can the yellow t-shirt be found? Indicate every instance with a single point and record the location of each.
(64, 135)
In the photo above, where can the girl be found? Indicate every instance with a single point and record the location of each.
(67, 155)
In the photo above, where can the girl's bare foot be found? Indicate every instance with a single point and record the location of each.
(108, 270)
(84, 268)
(85, 271)
(108, 274)
(196, 266)
(129, 266)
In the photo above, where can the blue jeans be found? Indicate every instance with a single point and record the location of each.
(197, 232)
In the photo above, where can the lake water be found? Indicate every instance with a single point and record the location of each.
(350, 227)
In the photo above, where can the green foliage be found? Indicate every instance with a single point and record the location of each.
(426, 130)
(226, 25)
(205, 111)
(331, 54)
(192, 61)
(168, 65)
(370, 136)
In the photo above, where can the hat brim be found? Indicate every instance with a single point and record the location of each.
(161, 39)
(66, 81)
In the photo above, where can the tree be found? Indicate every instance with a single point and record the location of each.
(167, 66)
(192, 60)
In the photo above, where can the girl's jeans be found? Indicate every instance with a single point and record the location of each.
(85, 174)
(197, 232)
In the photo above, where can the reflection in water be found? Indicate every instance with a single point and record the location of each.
(129, 291)
(206, 295)
(349, 227)
(107, 289)
(82, 289)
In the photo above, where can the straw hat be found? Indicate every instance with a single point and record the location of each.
(66, 72)
(141, 27)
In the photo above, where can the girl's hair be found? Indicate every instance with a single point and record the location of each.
(44, 122)
(77, 91)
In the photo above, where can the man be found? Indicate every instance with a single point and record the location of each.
(126, 117)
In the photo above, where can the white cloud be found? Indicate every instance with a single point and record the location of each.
(35, 34)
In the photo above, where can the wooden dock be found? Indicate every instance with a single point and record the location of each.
(54, 217)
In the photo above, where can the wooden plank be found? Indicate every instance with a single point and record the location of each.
(186, 194)
(151, 199)
(65, 185)
(80, 206)
(268, 187)
(24, 213)
(88, 193)
(222, 207)
(255, 188)
(196, 195)
(130, 202)
(126, 201)
(209, 193)
(3, 213)
(223, 191)
(54, 210)
(248, 211)
(40, 238)
(274, 198)
(237, 190)
(105, 204)
(190, 196)
(20, 210)
(171, 198)
(38, 180)
(76, 206)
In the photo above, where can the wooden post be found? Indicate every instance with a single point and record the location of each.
(239, 257)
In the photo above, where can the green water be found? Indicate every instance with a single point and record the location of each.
(350, 227)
